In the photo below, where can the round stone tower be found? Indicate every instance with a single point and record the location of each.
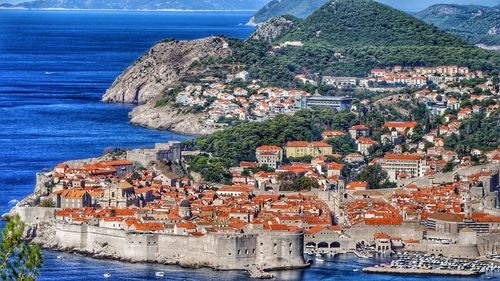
(185, 209)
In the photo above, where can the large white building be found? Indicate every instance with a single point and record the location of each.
(403, 165)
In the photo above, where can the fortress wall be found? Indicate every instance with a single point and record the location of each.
(280, 249)
(235, 250)
(488, 244)
(142, 247)
(35, 215)
(454, 251)
(70, 236)
(222, 251)
(406, 231)
(447, 177)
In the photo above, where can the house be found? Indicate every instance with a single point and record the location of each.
(296, 149)
(269, 155)
(354, 158)
(403, 128)
(61, 168)
(331, 134)
(235, 190)
(464, 113)
(357, 185)
(334, 169)
(359, 131)
(73, 198)
(364, 144)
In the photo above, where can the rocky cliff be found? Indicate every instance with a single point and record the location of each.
(170, 118)
(273, 28)
(164, 64)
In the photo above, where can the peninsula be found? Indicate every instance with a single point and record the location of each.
(201, 86)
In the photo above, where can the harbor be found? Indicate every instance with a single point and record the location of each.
(429, 264)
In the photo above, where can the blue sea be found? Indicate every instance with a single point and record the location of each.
(54, 68)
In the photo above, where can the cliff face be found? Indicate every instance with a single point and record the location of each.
(273, 29)
(169, 118)
(164, 64)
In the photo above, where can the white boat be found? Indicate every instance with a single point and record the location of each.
(60, 257)
(319, 260)
(107, 275)
(160, 274)
(355, 269)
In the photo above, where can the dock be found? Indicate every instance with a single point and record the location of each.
(420, 271)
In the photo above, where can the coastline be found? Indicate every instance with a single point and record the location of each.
(123, 10)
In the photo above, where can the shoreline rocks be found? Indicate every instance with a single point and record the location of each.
(168, 118)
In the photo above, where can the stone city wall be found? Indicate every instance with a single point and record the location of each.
(221, 251)
(447, 177)
(405, 231)
(454, 251)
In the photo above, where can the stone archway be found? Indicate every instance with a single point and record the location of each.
(335, 244)
(310, 245)
(323, 245)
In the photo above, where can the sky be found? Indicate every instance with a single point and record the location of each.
(406, 5)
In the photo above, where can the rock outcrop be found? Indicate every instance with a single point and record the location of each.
(170, 118)
(164, 64)
(273, 29)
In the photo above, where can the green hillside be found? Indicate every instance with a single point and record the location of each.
(366, 22)
(475, 24)
(366, 34)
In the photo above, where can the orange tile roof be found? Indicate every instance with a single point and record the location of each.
(400, 124)
(297, 144)
(268, 147)
(413, 157)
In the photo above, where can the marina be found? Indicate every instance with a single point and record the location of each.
(419, 263)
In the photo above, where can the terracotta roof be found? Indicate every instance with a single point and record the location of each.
(297, 144)
(269, 147)
(400, 124)
(413, 157)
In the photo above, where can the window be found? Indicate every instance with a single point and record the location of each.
(239, 252)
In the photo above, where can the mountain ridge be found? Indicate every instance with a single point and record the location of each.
(474, 23)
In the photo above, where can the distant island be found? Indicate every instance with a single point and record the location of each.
(195, 5)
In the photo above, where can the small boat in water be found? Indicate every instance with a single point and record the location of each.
(319, 260)
(107, 275)
(355, 269)
(160, 274)
(60, 257)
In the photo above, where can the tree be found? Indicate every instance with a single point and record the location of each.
(19, 260)
(376, 177)
(290, 181)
